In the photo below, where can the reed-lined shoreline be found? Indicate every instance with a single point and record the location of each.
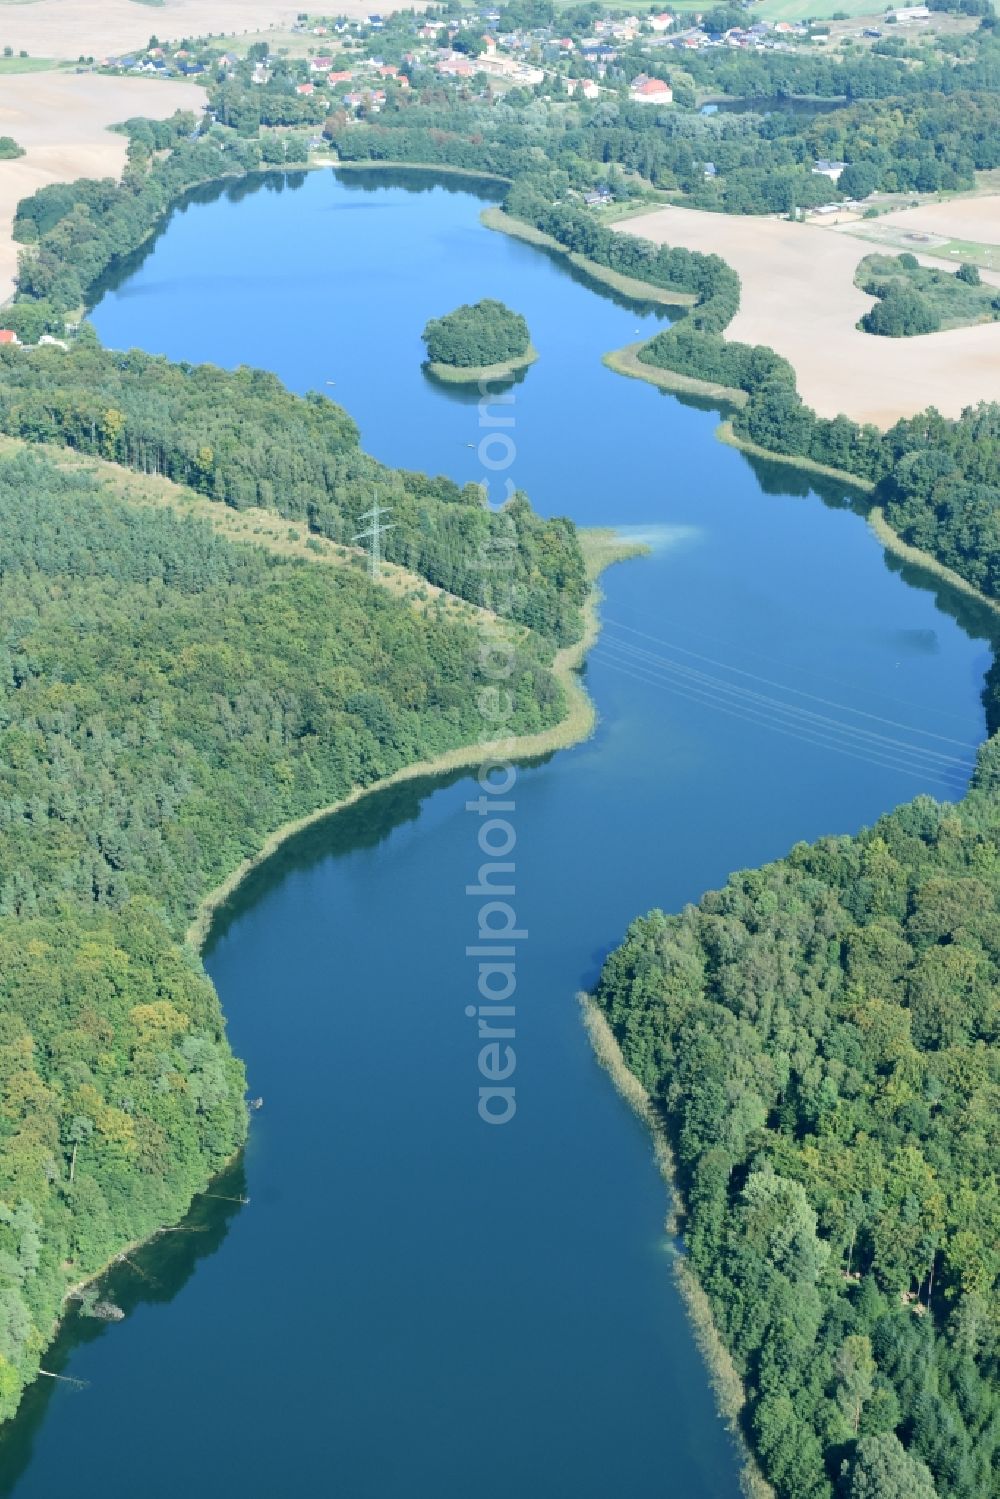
(727, 1385)
(601, 548)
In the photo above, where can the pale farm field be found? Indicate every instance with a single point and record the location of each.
(98, 28)
(957, 218)
(798, 297)
(62, 119)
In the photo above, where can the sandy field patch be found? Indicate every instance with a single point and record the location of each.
(976, 219)
(96, 28)
(62, 119)
(798, 297)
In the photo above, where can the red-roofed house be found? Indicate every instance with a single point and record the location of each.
(645, 90)
(344, 76)
(8, 336)
(305, 89)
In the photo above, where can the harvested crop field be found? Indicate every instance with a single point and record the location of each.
(798, 297)
(957, 218)
(97, 28)
(62, 119)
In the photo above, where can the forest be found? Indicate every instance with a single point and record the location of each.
(477, 335)
(167, 699)
(821, 1038)
(241, 438)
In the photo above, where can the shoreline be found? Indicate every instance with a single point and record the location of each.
(413, 166)
(602, 549)
(724, 1378)
(724, 433)
(894, 543)
(576, 725)
(496, 218)
(626, 361)
(476, 374)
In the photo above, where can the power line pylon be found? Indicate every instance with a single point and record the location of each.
(374, 534)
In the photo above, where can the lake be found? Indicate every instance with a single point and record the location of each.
(414, 1303)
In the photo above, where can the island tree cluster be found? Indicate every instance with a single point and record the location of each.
(479, 334)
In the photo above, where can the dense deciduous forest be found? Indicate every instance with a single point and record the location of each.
(821, 1036)
(243, 439)
(167, 699)
(480, 334)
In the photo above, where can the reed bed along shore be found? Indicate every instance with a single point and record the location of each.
(725, 1378)
(601, 549)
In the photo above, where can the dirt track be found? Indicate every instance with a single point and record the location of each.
(61, 120)
(798, 297)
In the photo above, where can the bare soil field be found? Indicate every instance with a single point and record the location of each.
(97, 28)
(799, 298)
(61, 120)
(957, 218)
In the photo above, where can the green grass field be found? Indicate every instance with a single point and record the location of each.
(28, 64)
(814, 10)
(987, 257)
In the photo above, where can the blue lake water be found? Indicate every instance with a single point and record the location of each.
(414, 1303)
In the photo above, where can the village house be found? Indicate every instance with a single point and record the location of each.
(583, 86)
(662, 22)
(343, 75)
(8, 336)
(455, 66)
(643, 90)
(320, 64)
(831, 169)
(305, 90)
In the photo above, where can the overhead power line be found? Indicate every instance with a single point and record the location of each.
(374, 533)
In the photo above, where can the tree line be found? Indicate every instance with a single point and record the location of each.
(821, 1038)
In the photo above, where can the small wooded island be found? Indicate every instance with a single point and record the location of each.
(481, 341)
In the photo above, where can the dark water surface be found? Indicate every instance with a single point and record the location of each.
(785, 104)
(413, 1303)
